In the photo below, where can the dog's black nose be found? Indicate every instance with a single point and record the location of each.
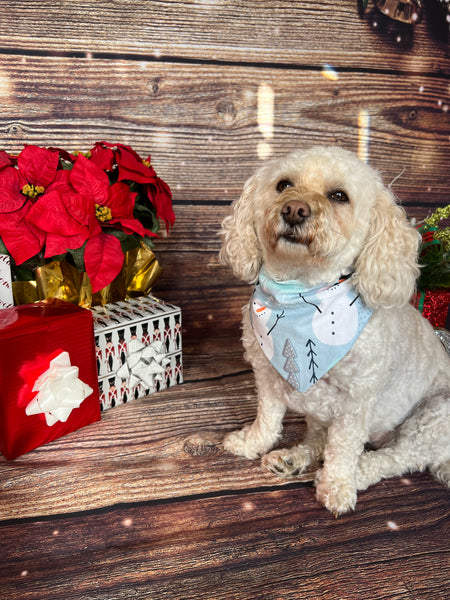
(295, 212)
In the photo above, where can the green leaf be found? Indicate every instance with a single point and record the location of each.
(146, 216)
(135, 187)
(130, 242)
(77, 256)
(148, 241)
(3, 249)
(118, 233)
(21, 274)
(66, 165)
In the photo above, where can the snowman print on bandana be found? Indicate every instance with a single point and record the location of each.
(261, 315)
(335, 322)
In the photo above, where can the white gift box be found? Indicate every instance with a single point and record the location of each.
(138, 348)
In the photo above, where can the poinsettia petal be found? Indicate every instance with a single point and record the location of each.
(5, 159)
(121, 200)
(59, 244)
(62, 176)
(103, 259)
(89, 180)
(38, 165)
(161, 198)
(63, 154)
(130, 226)
(50, 214)
(131, 166)
(11, 182)
(102, 156)
(22, 239)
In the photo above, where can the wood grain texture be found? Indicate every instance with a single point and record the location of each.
(146, 504)
(203, 132)
(261, 545)
(282, 32)
(164, 447)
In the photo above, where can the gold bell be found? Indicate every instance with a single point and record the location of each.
(406, 11)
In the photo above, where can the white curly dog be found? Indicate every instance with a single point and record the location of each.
(313, 218)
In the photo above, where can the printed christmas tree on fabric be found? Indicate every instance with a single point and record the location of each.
(290, 366)
(312, 363)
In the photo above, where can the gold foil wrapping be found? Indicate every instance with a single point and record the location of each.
(59, 279)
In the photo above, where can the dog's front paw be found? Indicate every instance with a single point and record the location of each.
(243, 443)
(338, 496)
(287, 463)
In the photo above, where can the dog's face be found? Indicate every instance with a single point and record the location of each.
(310, 213)
(316, 215)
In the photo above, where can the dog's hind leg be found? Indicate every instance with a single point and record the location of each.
(422, 441)
(441, 472)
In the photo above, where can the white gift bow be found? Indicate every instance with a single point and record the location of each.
(144, 363)
(59, 391)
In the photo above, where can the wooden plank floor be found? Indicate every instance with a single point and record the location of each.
(146, 505)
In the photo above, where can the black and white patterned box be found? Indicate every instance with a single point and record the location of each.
(138, 348)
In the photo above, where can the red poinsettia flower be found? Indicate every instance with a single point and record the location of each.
(114, 208)
(69, 220)
(131, 167)
(92, 182)
(38, 165)
(118, 211)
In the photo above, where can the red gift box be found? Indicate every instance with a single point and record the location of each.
(434, 305)
(48, 371)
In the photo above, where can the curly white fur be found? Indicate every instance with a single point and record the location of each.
(396, 378)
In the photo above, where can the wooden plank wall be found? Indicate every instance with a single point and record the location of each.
(211, 88)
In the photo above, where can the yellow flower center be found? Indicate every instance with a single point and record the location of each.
(146, 163)
(103, 213)
(87, 154)
(32, 191)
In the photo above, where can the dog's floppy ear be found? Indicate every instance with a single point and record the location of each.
(240, 248)
(386, 269)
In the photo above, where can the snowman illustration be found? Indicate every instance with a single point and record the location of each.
(260, 317)
(335, 321)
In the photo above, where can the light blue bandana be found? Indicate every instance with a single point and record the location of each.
(304, 333)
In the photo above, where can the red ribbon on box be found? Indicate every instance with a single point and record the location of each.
(32, 338)
(434, 305)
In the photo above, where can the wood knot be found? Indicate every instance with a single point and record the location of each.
(226, 110)
(202, 444)
(14, 129)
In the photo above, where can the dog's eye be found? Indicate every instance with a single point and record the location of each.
(284, 184)
(338, 196)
